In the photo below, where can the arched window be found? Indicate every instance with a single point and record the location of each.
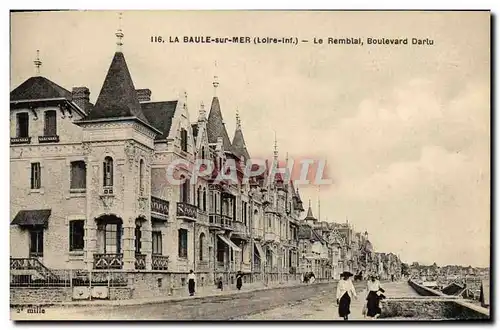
(184, 190)
(204, 199)
(108, 172)
(202, 243)
(141, 176)
(198, 197)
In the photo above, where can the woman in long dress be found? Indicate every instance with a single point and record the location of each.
(345, 291)
(239, 280)
(373, 298)
(191, 282)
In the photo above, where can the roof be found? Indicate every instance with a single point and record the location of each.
(307, 232)
(36, 88)
(216, 127)
(239, 146)
(310, 215)
(160, 115)
(32, 218)
(118, 97)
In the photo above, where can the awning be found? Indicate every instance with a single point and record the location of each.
(229, 243)
(32, 218)
(260, 250)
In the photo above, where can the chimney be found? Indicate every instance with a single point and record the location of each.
(144, 95)
(81, 96)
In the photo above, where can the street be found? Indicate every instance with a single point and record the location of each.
(313, 302)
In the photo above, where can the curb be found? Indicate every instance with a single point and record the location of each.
(132, 302)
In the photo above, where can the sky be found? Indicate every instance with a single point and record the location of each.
(405, 130)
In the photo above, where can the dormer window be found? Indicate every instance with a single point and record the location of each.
(108, 174)
(50, 125)
(184, 137)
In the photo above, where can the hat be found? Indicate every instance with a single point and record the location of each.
(346, 274)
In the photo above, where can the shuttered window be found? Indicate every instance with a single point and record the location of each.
(36, 180)
(78, 178)
(50, 127)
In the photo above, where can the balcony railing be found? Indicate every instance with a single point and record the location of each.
(159, 208)
(240, 227)
(271, 237)
(108, 260)
(221, 266)
(140, 261)
(226, 221)
(187, 211)
(48, 139)
(215, 220)
(258, 232)
(20, 140)
(159, 262)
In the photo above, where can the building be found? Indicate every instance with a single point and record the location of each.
(91, 189)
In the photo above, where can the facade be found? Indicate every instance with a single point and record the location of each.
(90, 188)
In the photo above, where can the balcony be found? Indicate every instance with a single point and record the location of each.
(226, 222)
(159, 208)
(108, 260)
(258, 233)
(159, 262)
(215, 220)
(140, 261)
(48, 139)
(187, 211)
(271, 237)
(240, 229)
(220, 266)
(20, 140)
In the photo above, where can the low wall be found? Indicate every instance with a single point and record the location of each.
(45, 295)
(431, 309)
(432, 305)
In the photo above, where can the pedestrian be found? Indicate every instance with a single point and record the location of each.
(373, 298)
(191, 282)
(239, 280)
(345, 291)
(312, 278)
(219, 284)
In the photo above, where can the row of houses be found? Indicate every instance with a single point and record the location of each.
(90, 190)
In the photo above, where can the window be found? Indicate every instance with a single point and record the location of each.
(141, 176)
(269, 224)
(202, 152)
(22, 124)
(184, 137)
(50, 125)
(76, 235)
(112, 238)
(78, 173)
(184, 190)
(198, 197)
(204, 199)
(138, 239)
(36, 242)
(183, 243)
(157, 248)
(36, 180)
(108, 172)
(201, 242)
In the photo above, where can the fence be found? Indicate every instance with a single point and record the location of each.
(67, 278)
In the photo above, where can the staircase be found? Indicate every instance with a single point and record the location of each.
(32, 264)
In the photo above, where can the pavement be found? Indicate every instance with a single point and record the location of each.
(300, 302)
(323, 306)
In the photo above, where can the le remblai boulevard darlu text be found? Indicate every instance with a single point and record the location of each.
(293, 40)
